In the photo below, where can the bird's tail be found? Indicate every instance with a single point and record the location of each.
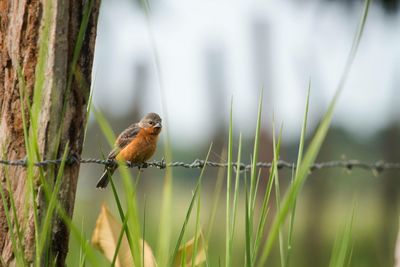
(105, 178)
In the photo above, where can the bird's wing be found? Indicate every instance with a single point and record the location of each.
(124, 139)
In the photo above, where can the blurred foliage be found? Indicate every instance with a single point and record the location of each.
(323, 205)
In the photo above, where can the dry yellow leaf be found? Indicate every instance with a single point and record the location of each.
(105, 238)
(186, 251)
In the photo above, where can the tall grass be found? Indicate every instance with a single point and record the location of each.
(228, 225)
(313, 149)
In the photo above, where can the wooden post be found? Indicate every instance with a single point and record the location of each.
(24, 27)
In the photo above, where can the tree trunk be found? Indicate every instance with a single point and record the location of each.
(31, 32)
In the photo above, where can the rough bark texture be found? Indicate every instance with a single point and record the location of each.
(21, 25)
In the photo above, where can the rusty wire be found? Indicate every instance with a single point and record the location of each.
(378, 166)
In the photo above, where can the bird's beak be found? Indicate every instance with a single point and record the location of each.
(158, 125)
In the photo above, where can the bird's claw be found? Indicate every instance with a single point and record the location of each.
(142, 166)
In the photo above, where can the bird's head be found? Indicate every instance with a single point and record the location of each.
(151, 121)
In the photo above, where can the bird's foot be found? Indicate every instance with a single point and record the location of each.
(142, 166)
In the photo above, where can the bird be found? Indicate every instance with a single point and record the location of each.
(135, 144)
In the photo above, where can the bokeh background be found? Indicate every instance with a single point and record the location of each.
(186, 60)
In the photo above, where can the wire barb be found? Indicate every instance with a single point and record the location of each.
(378, 166)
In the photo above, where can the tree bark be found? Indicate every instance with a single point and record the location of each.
(22, 32)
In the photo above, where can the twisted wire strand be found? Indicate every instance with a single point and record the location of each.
(378, 166)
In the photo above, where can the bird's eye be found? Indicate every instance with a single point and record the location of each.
(151, 122)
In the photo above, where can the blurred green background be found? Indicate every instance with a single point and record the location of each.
(210, 51)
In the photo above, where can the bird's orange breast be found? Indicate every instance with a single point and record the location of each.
(140, 149)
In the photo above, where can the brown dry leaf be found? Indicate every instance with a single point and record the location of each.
(105, 238)
(187, 250)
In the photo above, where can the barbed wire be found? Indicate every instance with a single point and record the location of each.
(378, 166)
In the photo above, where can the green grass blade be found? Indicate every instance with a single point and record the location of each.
(40, 72)
(132, 237)
(189, 211)
(256, 188)
(19, 255)
(164, 241)
(133, 218)
(124, 229)
(264, 208)
(253, 177)
(291, 225)
(107, 131)
(299, 159)
(133, 225)
(183, 261)
(52, 195)
(216, 197)
(248, 256)
(32, 194)
(24, 101)
(277, 188)
(16, 240)
(228, 246)
(123, 217)
(348, 263)
(165, 218)
(89, 251)
(105, 126)
(82, 254)
(144, 229)
(88, 5)
(355, 44)
(88, 111)
(236, 192)
(34, 112)
(196, 231)
(341, 250)
(303, 128)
